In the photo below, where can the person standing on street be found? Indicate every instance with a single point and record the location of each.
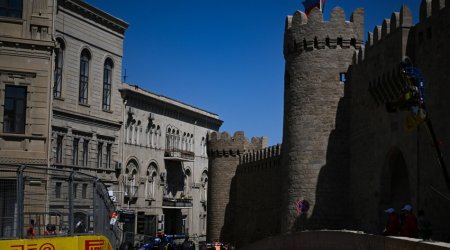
(409, 223)
(392, 224)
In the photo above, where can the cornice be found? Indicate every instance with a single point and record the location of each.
(95, 14)
(71, 115)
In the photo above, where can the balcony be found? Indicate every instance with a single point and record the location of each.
(179, 155)
(175, 197)
(177, 203)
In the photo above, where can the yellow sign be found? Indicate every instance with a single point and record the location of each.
(58, 243)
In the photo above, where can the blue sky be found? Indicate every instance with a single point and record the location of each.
(224, 56)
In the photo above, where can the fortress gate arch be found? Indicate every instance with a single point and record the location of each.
(394, 183)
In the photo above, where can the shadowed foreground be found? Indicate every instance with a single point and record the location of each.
(343, 240)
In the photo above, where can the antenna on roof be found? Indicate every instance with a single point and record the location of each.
(125, 76)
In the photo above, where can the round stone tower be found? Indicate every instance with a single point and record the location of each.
(314, 157)
(223, 153)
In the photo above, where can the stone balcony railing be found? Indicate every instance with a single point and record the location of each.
(179, 155)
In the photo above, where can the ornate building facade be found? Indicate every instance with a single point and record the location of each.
(165, 165)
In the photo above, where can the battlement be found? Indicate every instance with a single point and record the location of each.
(396, 31)
(399, 21)
(307, 33)
(222, 144)
(430, 8)
(262, 154)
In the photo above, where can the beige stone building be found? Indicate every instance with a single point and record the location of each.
(87, 107)
(26, 45)
(165, 171)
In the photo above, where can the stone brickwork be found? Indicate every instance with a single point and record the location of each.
(26, 63)
(315, 159)
(258, 199)
(342, 150)
(391, 166)
(223, 153)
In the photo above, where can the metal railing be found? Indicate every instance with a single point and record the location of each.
(51, 202)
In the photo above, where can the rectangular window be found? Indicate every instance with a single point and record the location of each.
(76, 141)
(85, 152)
(75, 189)
(11, 8)
(185, 226)
(108, 155)
(100, 155)
(342, 77)
(14, 109)
(204, 224)
(84, 191)
(58, 190)
(59, 148)
(107, 80)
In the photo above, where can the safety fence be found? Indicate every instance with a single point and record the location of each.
(50, 202)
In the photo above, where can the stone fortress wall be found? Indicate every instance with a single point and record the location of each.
(389, 165)
(258, 199)
(224, 154)
(342, 150)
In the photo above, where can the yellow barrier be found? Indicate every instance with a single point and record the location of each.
(58, 243)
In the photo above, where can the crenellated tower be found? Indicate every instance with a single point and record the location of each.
(224, 154)
(315, 155)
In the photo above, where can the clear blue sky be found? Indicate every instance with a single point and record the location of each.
(224, 56)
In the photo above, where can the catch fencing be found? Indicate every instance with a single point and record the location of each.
(50, 202)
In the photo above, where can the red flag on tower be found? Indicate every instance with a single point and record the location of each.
(311, 4)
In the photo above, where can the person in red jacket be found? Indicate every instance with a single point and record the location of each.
(409, 223)
(393, 223)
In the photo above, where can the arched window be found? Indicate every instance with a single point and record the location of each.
(158, 136)
(187, 142)
(107, 83)
(203, 145)
(84, 76)
(204, 188)
(177, 140)
(59, 62)
(138, 133)
(152, 136)
(150, 185)
(187, 182)
(131, 172)
(168, 136)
